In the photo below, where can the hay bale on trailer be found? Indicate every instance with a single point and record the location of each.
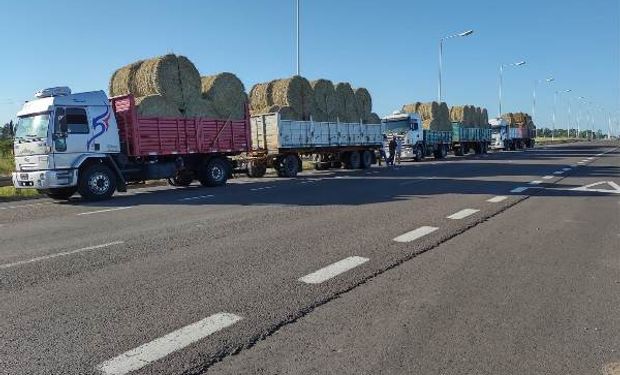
(484, 118)
(346, 103)
(173, 77)
(122, 81)
(325, 102)
(373, 118)
(156, 106)
(411, 108)
(364, 102)
(435, 116)
(227, 94)
(294, 92)
(260, 97)
(478, 118)
(199, 107)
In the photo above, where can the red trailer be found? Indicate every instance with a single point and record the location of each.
(180, 149)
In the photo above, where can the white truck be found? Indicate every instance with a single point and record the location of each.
(506, 137)
(91, 144)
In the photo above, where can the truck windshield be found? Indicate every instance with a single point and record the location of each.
(34, 126)
(396, 126)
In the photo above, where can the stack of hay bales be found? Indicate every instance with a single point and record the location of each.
(469, 115)
(519, 119)
(435, 116)
(296, 98)
(171, 86)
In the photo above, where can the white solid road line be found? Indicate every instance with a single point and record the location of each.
(497, 199)
(37, 259)
(463, 214)
(520, 189)
(548, 177)
(102, 211)
(196, 197)
(415, 234)
(333, 270)
(165, 345)
(536, 182)
(558, 172)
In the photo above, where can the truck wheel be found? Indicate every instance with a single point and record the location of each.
(256, 170)
(444, 152)
(97, 183)
(366, 161)
(419, 155)
(288, 166)
(336, 165)
(353, 160)
(61, 194)
(214, 173)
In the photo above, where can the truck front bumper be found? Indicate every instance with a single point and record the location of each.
(45, 179)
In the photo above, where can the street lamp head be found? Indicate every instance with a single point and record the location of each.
(568, 90)
(466, 33)
(550, 79)
(519, 63)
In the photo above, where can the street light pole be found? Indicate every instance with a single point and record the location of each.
(501, 75)
(464, 33)
(536, 82)
(297, 36)
(555, 104)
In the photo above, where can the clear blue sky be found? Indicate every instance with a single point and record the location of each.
(388, 46)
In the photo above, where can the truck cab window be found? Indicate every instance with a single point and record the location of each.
(60, 113)
(77, 121)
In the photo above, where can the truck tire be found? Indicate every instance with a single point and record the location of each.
(61, 194)
(288, 166)
(256, 170)
(366, 161)
(419, 154)
(97, 182)
(215, 172)
(353, 160)
(444, 152)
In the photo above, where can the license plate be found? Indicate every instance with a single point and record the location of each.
(23, 176)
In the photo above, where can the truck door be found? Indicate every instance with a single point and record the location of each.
(71, 133)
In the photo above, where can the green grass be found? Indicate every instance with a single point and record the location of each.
(6, 166)
(11, 192)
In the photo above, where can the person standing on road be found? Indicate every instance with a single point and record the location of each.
(399, 145)
(382, 156)
(392, 148)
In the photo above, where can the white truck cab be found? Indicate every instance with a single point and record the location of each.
(57, 133)
(499, 133)
(408, 128)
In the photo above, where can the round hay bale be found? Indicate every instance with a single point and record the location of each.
(484, 118)
(346, 103)
(122, 79)
(175, 78)
(325, 102)
(294, 92)
(227, 94)
(199, 107)
(289, 113)
(364, 102)
(156, 106)
(457, 113)
(373, 118)
(478, 118)
(260, 96)
(411, 108)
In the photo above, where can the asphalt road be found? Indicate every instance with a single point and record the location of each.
(178, 281)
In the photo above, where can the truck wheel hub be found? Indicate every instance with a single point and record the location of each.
(99, 183)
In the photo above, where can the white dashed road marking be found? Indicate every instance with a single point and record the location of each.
(548, 177)
(65, 253)
(536, 182)
(262, 188)
(165, 345)
(566, 169)
(558, 172)
(497, 199)
(196, 197)
(333, 270)
(415, 234)
(520, 189)
(102, 211)
(463, 214)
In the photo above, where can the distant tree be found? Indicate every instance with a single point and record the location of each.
(8, 131)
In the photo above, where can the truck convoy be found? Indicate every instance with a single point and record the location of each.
(86, 143)
(418, 143)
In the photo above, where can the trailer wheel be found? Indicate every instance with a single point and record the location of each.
(336, 164)
(288, 166)
(97, 182)
(353, 160)
(256, 170)
(60, 194)
(214, 173)
(181, 179)
(444, 151)
(366, 161)
(419, 155)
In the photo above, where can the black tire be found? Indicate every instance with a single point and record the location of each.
(288, 166)
(353, 160)
(366, 161)
(444, 152)
(256, 170)
(419, 154)
(336, 165)
(214, 173)
(97, 182)
(60, 194)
